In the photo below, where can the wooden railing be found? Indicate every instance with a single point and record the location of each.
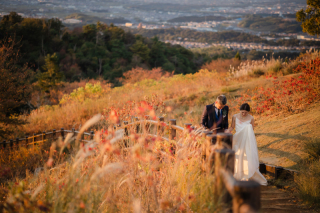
(36, 139)
(217, 154)
(244, 195)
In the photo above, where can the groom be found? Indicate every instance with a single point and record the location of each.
(215, 116)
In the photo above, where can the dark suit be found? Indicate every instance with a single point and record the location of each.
(210, 119)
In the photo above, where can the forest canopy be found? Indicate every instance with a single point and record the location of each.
(94, 50)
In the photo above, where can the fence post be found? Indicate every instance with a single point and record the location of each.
(82, 137)
(126, 133)
(172, 132)
(205, 146)
(27, 141)
(44, 136)
(160, 128)
(73, 131)
(54, 134)
(172, 135)
(225, 140)
(4, 144)
(91, 135)
(211, 139)
(62, 133)
(11, 144)
(34, 138)
(204, 133)
(147, 125)
(17, 143)
(224, 159)
(246, 197)
(138, 125)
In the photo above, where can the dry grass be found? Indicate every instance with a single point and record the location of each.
(307, 181)
(39, 98)
(103, 176)
(74, 114)
(221, 65)
(106, 176)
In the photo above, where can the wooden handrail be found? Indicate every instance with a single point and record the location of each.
(229, 181)
(245, 195)
(155, 123)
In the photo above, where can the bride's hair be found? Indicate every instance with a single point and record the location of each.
(245, 107)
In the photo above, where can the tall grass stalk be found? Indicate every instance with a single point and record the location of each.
(103, 177)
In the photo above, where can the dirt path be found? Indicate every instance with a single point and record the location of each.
(280, 139)
(279, 201)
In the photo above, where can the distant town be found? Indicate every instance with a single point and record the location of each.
(156, 14)
(241, 46)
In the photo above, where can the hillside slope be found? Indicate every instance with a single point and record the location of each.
(280, 139)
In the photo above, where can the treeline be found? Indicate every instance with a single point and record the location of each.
(271, 24)
(91, 51)
(215, 37)
(220, 52)
(197, 36)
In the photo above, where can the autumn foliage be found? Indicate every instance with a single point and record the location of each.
(15, 88)
(221, 65)
(291, 95)
(139, 74)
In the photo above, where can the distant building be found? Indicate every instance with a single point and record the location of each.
(72, 21)
(128, 24)
(140, 26)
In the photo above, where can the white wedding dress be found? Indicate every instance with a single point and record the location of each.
(246, 153)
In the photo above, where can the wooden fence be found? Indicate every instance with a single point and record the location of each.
(244, 195)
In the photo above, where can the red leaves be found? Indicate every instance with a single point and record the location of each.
(290, 94)
(114, 117)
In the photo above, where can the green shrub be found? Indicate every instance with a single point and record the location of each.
(312, 148)
(257, 73)
(228, 89)
(276, 67)
(82, 93)
(291, 67)
(308, 180)
(202, 100)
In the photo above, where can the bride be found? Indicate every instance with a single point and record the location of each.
(245, 147)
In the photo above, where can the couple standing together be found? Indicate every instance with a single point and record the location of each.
(215, 118)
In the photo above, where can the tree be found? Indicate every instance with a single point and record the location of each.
(310, 17)
(238, 56)
(10, 21)
(157, 56)
(52, 75)
(15, 87)
(141, 50)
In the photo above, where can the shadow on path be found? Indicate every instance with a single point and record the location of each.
(279, 153)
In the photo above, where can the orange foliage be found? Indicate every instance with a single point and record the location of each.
(293, 94)
(221, 65)
(38, 99)
(139, 74)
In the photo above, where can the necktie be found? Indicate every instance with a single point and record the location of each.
(218, 113)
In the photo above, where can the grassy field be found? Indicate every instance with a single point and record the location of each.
(106, 176)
